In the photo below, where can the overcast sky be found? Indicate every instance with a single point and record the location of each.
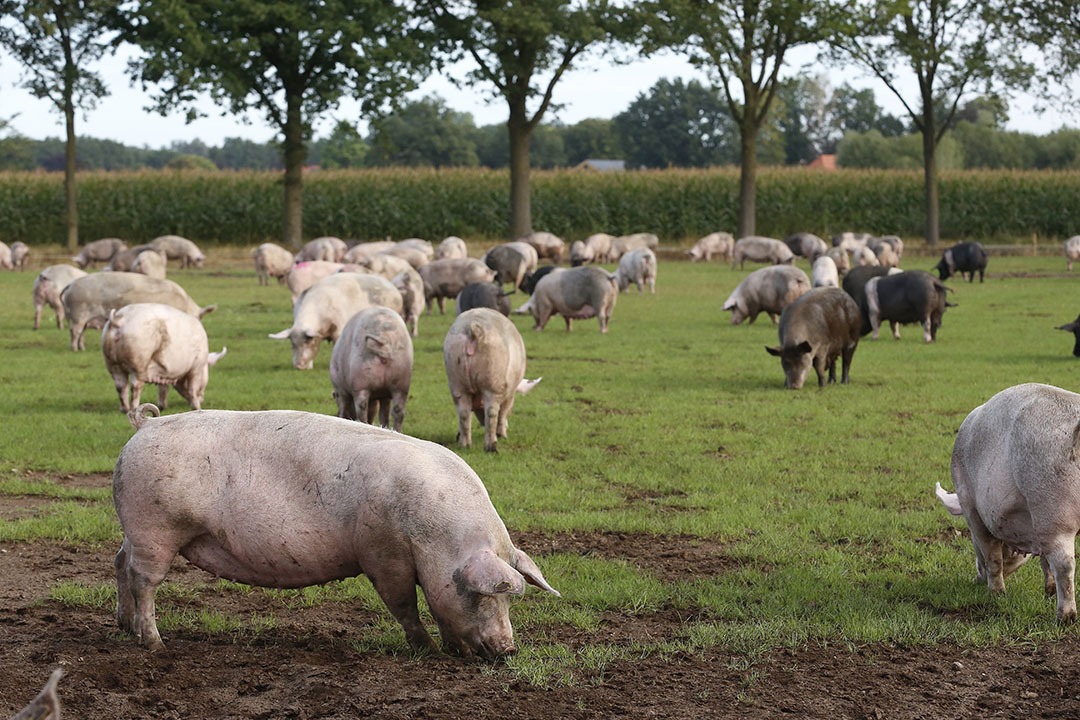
(599, 89)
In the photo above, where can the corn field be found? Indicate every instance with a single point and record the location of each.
(244, 208)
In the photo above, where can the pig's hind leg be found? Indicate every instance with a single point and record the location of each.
(1059, 553)
(145, 568)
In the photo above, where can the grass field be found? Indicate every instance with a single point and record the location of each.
(675, 423)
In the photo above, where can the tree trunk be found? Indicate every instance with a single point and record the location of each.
(747, 175)
(295, 156)
(930, 176)
(71, 216)
(520, 189)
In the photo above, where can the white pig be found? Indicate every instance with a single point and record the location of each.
(99, 251)
(371, 367)
(305, 274)
(547, 245)
(1072, 250)
(451, 247)
(840, 257)
(761, 249)
(576, 294)
(19, 253)
(324, 308)
(155, 343)
(1017, 481)
(411, 286)
(364, 249)
(272, 261)
(326, 248)
(864, 257)
(638, 267)
(446, 278)
(768, 290)
(324, 500)
(823, 273)
(420, 244)
(383, 265)
(625, 243)
(485, 365)
(717, 243)
(47, 288)
(151, 264)
(179, 248)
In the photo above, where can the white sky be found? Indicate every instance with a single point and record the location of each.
(600, 89)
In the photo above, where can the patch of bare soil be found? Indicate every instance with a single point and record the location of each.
(305, 668)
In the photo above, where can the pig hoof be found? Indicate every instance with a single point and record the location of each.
(494, 448)
(1067, 617)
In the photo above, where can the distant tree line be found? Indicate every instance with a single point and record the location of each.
(673, 124)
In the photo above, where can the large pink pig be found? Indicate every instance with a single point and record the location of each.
(289, 499)
(371, 367)
(47, 288)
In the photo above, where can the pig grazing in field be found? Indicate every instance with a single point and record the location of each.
(914, 296)
(625, 243)
(411, 287)
(361, 250)
(351, 499)
(327, 249)
(1017, 485)
(371, 367)
(594, 249)
(423, 246)
(815, 329)
(547, 245)
(1072, 250)
(485, 366)
(383, 265)
(483, 294)
(305, 274)
(768, 290)
(806, 245)
(511, 262)
(824, 274)
(47, 288)
(886, 256)
(720, 244)
(151, 264)
(124, 260)
(965, 257)
(155, 343)
(893, 241)
(272, 261)
(1074, 328)
(851, 241)
(323, 309)
(864, 257)
(451, 247)
(576, 294)
(88, 300)
(855, 283)
(99, 251)
(412, 255)
(179, 248)
(638, 267)
(19, 254)
(841, 258)
(761, 249)
(6, 262)
(446, 278)
(530, 281)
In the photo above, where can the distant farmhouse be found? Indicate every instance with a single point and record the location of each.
(602, 165)
(823, 162)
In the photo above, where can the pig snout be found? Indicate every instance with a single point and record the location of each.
(495, 649)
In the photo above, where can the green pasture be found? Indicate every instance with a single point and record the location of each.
(674, 423)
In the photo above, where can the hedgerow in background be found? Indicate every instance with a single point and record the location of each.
(243, 208)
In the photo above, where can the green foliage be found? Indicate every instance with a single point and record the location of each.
(191, 162)
(872, 150)
(343, 149)
(423, 133)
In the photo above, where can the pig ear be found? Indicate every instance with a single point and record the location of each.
(773, 350)
(525, 565)
(488, 574)
(804, 347)
(283, 335)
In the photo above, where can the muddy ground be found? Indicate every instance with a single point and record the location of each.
(305, 667)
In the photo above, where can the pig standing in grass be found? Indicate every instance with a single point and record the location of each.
(720, 244)
(88, 300)
(323, 309)
(47, 288)
(311, 499)
(19, 254)
(824, 274)
(420, 244)
(965, 257)
(806, 245)
(446, 278)
(5, 257)
(272, 261)
(594, 249)
(761, 249)
(547, 245)
(886, 256)
(155, 343)
(1072, 250)
(576, 294)
(864, 257)
(638, 267)
(483, 294)
(914, 296)
(511, 262)
(625, 243)
(451, 247)
(851, 241)
(151, 264)
(815, 329)
(305, 274)
(485, 366)
(361, 250)
(411, 287)
(99, 251)
(383, 265)
(768, 290)
(327, 249)
(412, 255)
(1017, 481)
(179, 248)
(124, 260)
(371, 367)
(840, 257)
(1073, 327)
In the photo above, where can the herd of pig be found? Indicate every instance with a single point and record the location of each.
(289, 499)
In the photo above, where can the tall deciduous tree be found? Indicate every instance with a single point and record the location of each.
(424, 132)
(292, 61)
(953, 48)
(522, 48)
(742, 44)
(58, 41)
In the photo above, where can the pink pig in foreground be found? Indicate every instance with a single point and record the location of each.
(1014, 467)
(311, 499)
(154, 343)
